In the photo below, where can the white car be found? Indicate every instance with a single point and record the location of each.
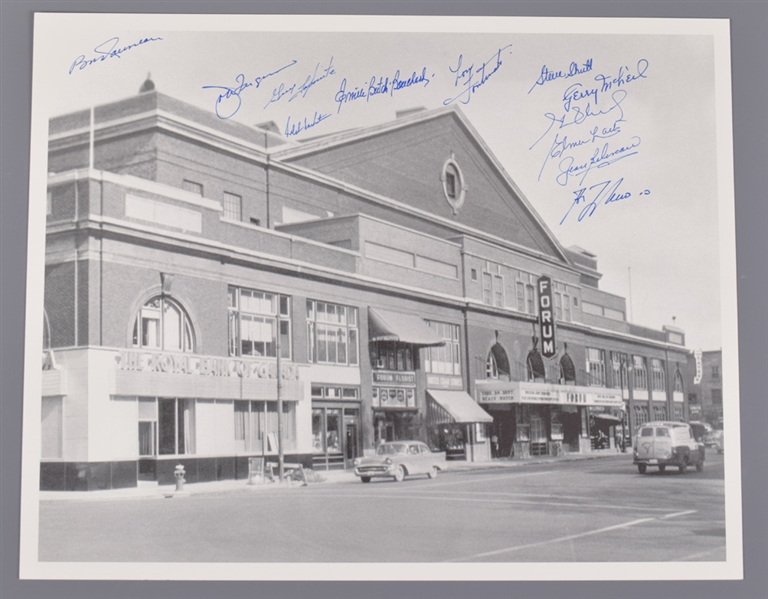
(663, 444)
(398, 459)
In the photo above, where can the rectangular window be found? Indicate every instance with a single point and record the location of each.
(558, 301)
(253, 323)
(530, 298)
(520, 287)
(444, 359)
(233, 205)
(619, 370)
(176, 426)
(487, 289)
(566, 308)
(389, 355)
(192, 187)
(657, 372)
(256, 426)
(596, 367)
(715, 372)
(331, 333)
(498, 291)
(639, 373)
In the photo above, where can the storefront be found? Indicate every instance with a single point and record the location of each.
(534, 419)
(458, 426)
(336, 428)
(395, 339)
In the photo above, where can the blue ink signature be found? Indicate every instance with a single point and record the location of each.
(108, 50)
(301, 89)
(600, 158)
(607, 194)
(303, 125)
(465, 76)
(562, 145)
(229, 102)
(378, 86)
(546, 75)
(576, 115)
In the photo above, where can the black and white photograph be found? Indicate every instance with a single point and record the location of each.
(381, 298)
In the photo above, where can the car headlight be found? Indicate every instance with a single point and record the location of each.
(356, 462)
(388, 461)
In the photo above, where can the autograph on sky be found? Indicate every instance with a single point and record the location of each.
(107, 50)
(607, 193)
(470, 79)
(591, 112)
(229, 102)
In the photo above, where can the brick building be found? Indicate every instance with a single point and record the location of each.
(385, 281)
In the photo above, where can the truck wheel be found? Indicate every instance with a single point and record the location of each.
(399, 474)
(683, 467)
(699, 466)
(365, 479)
(641, 468)
(662, 468)
(432, 473)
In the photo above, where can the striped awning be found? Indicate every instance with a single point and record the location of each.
(384, 325)
(457, 407)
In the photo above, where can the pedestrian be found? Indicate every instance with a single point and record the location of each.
(494, 446)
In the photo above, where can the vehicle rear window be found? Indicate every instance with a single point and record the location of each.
(662, 432)
(646, 432)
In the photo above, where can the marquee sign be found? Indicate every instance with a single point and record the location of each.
(546, 318)
(697, 356)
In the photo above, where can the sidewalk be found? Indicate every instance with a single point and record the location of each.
(323, 477)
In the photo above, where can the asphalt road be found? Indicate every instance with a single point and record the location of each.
(580, 511)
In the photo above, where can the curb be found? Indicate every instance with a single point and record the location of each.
(331, 477)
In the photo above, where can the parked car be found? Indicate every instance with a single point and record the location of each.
(701, 430)
(398, 459)
(715, 439)
(663, 444)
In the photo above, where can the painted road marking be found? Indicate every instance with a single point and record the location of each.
(402, 495)
(589, 533)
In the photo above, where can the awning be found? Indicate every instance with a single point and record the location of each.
(608, 418)
(384, 325)
(460, 407)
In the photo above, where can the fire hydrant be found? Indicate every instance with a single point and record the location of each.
(179, 474)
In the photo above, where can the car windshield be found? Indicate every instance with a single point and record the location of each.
(391, 449)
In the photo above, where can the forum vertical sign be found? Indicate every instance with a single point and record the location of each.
(546, 317)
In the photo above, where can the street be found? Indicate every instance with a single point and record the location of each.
(579, 511)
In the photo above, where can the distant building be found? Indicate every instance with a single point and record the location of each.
(705, 395)
(396, 273)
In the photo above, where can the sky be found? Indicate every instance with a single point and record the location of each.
(632, 115)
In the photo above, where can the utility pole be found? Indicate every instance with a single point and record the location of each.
(280, 466)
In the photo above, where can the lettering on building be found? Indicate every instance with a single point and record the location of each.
(204, 366)
(546, 318)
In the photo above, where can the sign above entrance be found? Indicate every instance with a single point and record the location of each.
(543, 393)
(546, 317)
(388, 377)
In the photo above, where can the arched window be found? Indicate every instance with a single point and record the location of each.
(497, 364)
(678, 382)
(163, 324)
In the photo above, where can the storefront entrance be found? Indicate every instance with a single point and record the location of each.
(396, 425)
(335, 436)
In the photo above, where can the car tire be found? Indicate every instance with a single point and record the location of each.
(662, 468)
(399, 474)
(699, 466)
(365, 479)
(641, 468)
(683, 467)
(433, 472)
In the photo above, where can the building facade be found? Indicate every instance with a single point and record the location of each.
(383, 283)
(705, 394)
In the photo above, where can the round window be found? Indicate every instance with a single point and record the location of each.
(453, 184)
